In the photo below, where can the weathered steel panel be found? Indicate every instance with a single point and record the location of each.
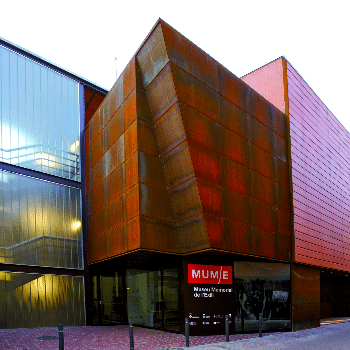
(234, 147)
(133, 233)
(210, 196)
(150, 170)
(129, 78)
(117, 241)
(215, 230)
(185, 200)
(282, 172)
(116, 183)
(116, 212)
(132, 170)
(234, 118)
(132, 202)
(262, 162)
(195, 93)
(260, 109)
(176, 139)
(146, 138)
(262, 136)
(155, 203)
(161, 94)
(193, 234)
(130, 140)
(238, 237)
(265, 242)
(190, 57)
(206, 164)
(263, 189)
(232, 88)
(129, 109)
(264, 216)
(199, 128)
(236, 206)
(170, 130)
(174, 173)
(115, 128)
(152, 57)
(159, 235)
(236, 177)
(114, 157)
(305, 296)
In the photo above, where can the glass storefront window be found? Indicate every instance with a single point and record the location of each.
(35, 300)
(151, 298)
(262, 288)
(40, 222)
(39, 117)
(144, 297)
(171, 291)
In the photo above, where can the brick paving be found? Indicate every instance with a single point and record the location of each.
(103, 338)
(333, 335)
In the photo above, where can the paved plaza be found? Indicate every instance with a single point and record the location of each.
(102, 338)
(333, 334)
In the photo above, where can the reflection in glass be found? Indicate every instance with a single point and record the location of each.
(40, 222)
(262, 288)
(112, 305)
(144, 297)
(34, 300)
(171, 300)
(153, 298)
(39, 117)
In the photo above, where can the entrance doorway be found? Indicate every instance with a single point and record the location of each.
(147, 298)
(108, 299)
(335, 294)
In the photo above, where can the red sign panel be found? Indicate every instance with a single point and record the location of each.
(209, 274)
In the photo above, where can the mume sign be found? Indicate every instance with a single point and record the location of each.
(210, 296)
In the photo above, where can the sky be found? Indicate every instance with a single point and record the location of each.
(85, 37)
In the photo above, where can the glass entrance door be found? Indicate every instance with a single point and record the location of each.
(148, 298)
(153, 298)
(144, 298)
(108, 300)
(171, 300)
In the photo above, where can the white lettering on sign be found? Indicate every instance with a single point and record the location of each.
(196, 274)
(209, 274)
(214, 274)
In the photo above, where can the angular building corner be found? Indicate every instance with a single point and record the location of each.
(201, 156)
(186, 164)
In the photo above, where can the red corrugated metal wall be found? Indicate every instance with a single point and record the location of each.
(321, 175)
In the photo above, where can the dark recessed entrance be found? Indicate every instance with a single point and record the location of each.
(147, 297)
(335, 294)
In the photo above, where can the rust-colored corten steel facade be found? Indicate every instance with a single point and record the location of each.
(186, 159)
(191, 172)
(182, 156)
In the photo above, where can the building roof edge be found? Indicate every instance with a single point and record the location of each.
(53, 66)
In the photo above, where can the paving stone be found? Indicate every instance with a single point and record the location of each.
(102, 338)
(117, 338)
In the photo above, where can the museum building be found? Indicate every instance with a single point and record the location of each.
(185, 192)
